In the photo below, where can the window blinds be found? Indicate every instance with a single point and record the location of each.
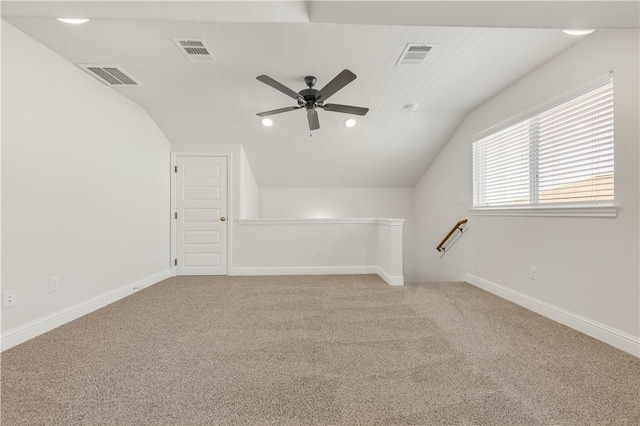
(563, 155)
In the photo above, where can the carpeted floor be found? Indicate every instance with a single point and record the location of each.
(316, 350)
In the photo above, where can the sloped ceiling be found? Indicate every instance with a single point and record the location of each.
(201, 103)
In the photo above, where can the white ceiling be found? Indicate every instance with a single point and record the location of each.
(205, 103)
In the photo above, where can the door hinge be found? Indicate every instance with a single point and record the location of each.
(175, 262)
(176, 215)
(175, 169)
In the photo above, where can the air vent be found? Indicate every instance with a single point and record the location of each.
(414, 53)
(111, 75)
(195, 49)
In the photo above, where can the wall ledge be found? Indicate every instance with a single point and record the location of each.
(290, 221)
(614, 337)
(42, 325)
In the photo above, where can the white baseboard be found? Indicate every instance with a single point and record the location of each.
(616, 338)
(395, 280)
(302, 270)
(37, 327)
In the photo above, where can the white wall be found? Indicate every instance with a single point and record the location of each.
(588, 266)
(390, 251)
(336, 202)
(319, 247)
(249, 188)
(274, 245)
(85, 184)
(394, 203)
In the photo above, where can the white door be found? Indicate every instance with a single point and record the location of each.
(201, 222)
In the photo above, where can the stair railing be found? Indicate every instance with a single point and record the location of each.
(461, 226)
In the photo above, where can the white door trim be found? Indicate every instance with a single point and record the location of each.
(230, 211)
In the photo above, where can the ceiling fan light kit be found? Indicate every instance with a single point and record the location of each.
(74, 21)
(311, 99)
(577, 32)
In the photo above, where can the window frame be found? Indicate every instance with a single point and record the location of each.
(579, 209)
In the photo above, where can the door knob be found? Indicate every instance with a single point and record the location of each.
(222, 219)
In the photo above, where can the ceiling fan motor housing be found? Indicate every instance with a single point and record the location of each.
(310, 96)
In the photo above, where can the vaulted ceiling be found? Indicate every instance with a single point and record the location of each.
(479, 49)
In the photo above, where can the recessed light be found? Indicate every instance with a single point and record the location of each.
(267, 122)
(73, 20)
(349, 122)
(577, 32)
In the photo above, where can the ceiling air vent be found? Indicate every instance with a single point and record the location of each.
(195, 49)
(111, 75)
(414, 53)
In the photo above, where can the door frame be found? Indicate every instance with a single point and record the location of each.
(230, 212)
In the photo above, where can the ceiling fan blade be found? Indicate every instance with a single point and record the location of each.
(347, 109)
(312, 116)
(277, 111)
(278, 86)
(338, 82)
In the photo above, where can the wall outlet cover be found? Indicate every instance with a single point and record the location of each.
(54, 284)
(8, 298)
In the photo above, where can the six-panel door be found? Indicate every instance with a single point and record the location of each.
(201, 226)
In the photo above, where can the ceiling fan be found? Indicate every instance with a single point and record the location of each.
(311, 98)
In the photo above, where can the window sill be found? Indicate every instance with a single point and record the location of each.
(549, 211)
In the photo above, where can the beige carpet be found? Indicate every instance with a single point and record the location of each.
(316, 350)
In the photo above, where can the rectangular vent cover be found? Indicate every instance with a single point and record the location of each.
(111, 75)
(414, 53)
(195, 49)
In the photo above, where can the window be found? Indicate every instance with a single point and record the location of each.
(560, 157)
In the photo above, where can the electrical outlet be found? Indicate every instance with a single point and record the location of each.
(8, 298)
(54, 284)
(533, 273)
(318, 251)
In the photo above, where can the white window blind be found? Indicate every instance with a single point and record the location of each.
(562, 156)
